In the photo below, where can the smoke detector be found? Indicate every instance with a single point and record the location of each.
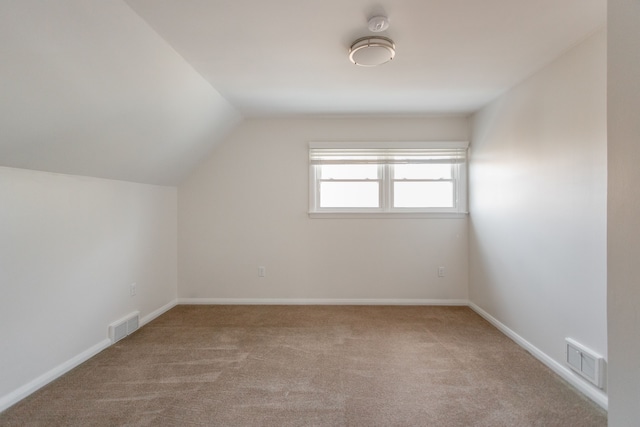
(375, 50)
(378, 24)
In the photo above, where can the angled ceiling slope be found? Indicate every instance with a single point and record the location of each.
(90, 89)
(141, 91)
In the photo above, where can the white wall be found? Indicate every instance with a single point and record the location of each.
(69, 249)
(538, 205)
(246, 206)
(624, 212)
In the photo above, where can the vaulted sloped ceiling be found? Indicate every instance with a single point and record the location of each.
(88, 88)
(142, 90)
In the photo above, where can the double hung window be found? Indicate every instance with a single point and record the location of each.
(387, 178)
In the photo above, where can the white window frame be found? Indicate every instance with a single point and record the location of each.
(386, 181)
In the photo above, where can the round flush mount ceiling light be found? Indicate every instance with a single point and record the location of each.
(372, 51)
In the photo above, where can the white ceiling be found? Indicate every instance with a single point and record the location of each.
(290, 57)
(142, 90)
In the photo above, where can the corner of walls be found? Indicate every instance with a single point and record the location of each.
(158, 312)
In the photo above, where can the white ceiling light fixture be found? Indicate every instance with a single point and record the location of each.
(372, 51)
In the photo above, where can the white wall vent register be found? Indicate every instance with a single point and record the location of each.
(585, 362)
(124, 326)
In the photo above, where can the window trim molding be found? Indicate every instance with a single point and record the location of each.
(388, 215)
(460, 211)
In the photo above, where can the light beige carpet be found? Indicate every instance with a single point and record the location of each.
(310, 366)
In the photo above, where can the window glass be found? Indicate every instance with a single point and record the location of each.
(349, 194)
(426, 194)
(422, 171)
(405, 178)
(349, 172)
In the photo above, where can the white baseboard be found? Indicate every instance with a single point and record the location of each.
(318, 301)
(15, 396)
(24, 391)
(565, 373)
(597, 396)
(157, 313)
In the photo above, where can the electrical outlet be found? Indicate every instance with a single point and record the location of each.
(262, 271)
(132, 289)
(441, 271)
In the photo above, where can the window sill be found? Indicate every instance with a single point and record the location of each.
(388, 215)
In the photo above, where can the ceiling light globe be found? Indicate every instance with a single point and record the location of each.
(372, 51)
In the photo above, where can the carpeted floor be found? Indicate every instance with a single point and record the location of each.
(310, 366)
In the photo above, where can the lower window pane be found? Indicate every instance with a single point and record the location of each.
(423, 194)
(349, 195)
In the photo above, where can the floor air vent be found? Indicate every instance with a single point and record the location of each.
(124, 326)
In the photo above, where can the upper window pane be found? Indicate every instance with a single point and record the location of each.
(424, 171)
(349, 172)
